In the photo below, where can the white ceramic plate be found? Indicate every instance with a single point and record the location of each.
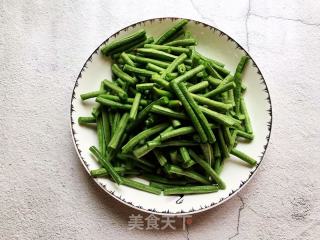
(213, 43)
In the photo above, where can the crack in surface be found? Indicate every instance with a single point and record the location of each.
(187, 229)
(199, 12)
(239, 213)
(286, 19)
(247, 30)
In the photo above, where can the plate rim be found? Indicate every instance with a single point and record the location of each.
(191, 211)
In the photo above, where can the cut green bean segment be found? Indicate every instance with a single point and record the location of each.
(143, 135)
(94, 94)
(189, 111)
(122, 75)
(123, 42)
(134, 107)
(138, 71)
(168, 49)
(220, 90)
(190, 190)
(140, 186)
(198, 87)
(178, 26)
(115, 140)
(212, 103)
(207, 167)
(112, 104)
(157, 54)
(182, 42)
(173, 65)
(170, 114)
(187, 173)
(247, 121)
(86, 120)
(176, 132)
(106, 164)
(202, 119)
(127, 60)
(154, 68)
(145, 60)
(144, 86)
(243, 156)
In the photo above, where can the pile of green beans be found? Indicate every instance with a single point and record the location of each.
(169, 115)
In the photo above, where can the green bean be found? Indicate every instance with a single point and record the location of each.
(140, 186)
(114, 142)
(245, 135)
(174, 104)
(143, 102)
(143, 135)
(173, 65)
(223, 147)
(138, 71)
(148, 60)
(127, 157)
(190, 190)
(220, 90)
(122, 75)
(160, 186)
(198, 87)
(202, 119)
(176, 132)
(133, 46)
(219, 69)
(168, 49)
(213, 72)
(159, 179)
(175, 143)
(160, 157)
(144, 113)
(237, 92)
(189, 111)
(143, 150)
(178, 35)
(184, 154)
(102, 172)
(161, 92)
(144, 86)
(243, 156)
(119, 91)
(207, 152)
(181, 68)
(94, 94)
(154, 68)
(101, 138)
(106, 126)
(208, 169)
(247, 121)
(115, 121)
(160, 81)
(220, 118)
(179, 25)
(86, 120)
(242, 64)
(189, 74)
(127, 60)
(212, 103)
(112, 104)
(172, 169)
(213, 81)
(168, 112)
(123, 42)
(176, 123)
(106, 164)
(182, 42)
(135, 106)
(157, 54)
(210, 60)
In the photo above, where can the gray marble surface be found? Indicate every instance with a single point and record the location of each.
(45, 192)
